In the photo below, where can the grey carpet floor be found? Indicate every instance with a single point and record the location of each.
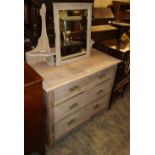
(105, 134)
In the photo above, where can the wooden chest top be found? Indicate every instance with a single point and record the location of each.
(55, 77)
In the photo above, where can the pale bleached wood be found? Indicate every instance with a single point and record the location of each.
(75, 103)
(43, 43)
(71, 6)
(80, 116)
(98, 69)
(69, 90)
(50, 118)
(59, 76)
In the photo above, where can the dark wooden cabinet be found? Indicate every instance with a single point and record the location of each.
(121, 10)
(120, 50)
(33, 113)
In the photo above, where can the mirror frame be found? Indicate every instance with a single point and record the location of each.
(71, 6)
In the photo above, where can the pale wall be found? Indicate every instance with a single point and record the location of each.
(105, 3)
(102, 3)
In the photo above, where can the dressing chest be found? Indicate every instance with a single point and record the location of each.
(74, 92)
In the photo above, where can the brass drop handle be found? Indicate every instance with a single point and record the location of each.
(74, 88)
(96, 106)
(73, 106)
(72, 121)
(100, 92)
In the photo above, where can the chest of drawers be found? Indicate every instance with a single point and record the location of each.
(75, 92)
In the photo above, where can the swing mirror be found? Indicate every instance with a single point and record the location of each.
(72, 23)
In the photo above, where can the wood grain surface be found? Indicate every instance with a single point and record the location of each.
(104, 134)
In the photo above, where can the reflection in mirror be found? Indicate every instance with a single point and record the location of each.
(73, 33)
(72, 25)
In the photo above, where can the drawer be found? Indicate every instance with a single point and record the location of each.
(63, 93)
(104, 75)
(100, 104)
(81, 115)
(68, 123)
(75, 103)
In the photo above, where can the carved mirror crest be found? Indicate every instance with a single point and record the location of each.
(72, 22)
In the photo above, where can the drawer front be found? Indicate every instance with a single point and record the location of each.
(81, 100)
(63, 93)
(101, 104)
(81, 115)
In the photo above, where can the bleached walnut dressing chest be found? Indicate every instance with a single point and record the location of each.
(74, 92)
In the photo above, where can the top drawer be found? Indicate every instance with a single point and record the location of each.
(63, 93)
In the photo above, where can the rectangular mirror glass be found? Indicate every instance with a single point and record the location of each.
(73, 32)
(72, 27)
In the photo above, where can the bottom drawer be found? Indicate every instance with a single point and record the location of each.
(81, 115)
